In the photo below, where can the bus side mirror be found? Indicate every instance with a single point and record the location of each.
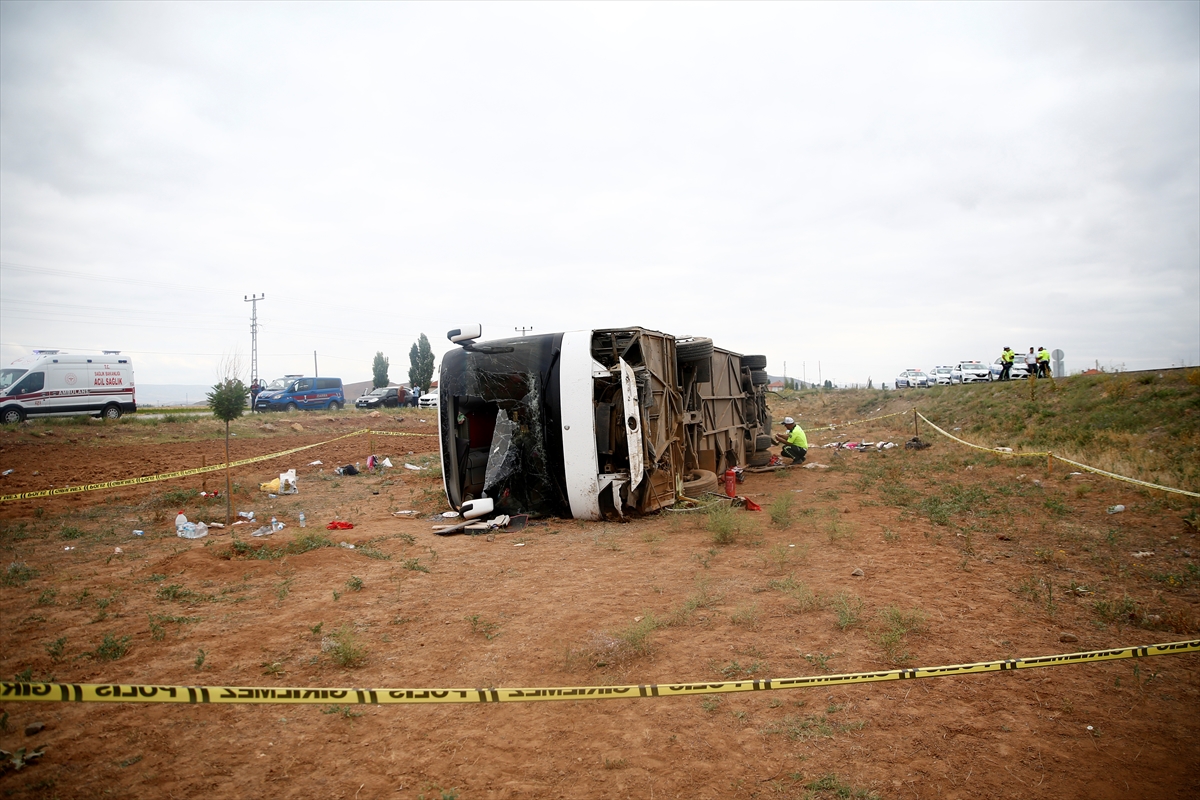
(465, 334)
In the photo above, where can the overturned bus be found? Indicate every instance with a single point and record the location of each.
(594, 423)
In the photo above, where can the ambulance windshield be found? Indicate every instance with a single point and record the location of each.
(9, 376)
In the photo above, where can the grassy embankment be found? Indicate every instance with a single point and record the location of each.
(1143, 425)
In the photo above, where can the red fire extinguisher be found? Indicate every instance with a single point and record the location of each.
(731, 483)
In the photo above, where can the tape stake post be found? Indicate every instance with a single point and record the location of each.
(277, 695)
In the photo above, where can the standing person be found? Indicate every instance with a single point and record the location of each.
(1043, 362)
(1031, 363)
(795, 443)
(1006, 362)
(255, 390)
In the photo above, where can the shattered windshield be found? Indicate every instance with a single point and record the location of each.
(499, 416)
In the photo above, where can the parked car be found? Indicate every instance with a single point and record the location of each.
(912, 379)
(1019, 370)
(974, 371)
(385, 397)
(945, 376)
(309, 394)
(428, 400)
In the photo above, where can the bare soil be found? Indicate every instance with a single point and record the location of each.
(974, 558)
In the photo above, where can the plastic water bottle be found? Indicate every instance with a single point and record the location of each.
(180, 521)
(274, 524)
(303, 520)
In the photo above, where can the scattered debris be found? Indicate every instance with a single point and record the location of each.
(1144, 554)
(406, 513)
(271, 486)
(287, 482)
(17, 760)
(139, 533)
(316, 463)
(915, 443)
(265, 530)
(338, 525)
(1117, 509)
(117, 551)
(412, 466)
(858, 573)
(815, 465)
(346, 545)
(6, 473)
(348, 469)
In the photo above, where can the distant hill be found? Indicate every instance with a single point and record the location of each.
(171, 394)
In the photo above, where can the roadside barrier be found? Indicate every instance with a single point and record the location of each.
(184, 473)
(1047, 454)
(257, 695)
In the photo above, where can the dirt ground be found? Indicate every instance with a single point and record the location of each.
(964, 558)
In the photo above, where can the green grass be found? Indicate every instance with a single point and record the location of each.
(345, 648)
(18, 574)
(722, 521)
(112, 648)
(849, 610)
(894, 627)
(780, 510)
(303, 543)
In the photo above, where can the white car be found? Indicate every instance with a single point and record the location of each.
(913, 379)
(974, 372)
(945, 376)
(428, 400)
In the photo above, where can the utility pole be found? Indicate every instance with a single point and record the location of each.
(316, 372)
(253, 301)
(522, 330)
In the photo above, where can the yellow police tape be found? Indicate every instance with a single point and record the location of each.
(1046, 453)
(834, 426)
(400, 433)
(1042, 454)
(184, 473)
(1114, 476)
(143, 693)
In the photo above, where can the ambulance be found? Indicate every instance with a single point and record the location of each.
(57, 383)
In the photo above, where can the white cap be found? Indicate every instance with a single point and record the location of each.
(789, 421)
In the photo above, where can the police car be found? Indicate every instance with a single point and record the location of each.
(974, 371)
(912, 379)
(945, 376)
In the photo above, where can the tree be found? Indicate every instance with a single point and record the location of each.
(828, 384)
(420, 357)
(379, 371)
(227, 401)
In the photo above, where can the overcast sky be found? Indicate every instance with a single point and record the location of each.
(852, 188)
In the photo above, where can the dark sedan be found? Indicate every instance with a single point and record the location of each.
(387, 397)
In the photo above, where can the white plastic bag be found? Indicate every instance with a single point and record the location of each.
(287, 482)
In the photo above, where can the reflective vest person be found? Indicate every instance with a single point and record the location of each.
(1006, 362)
(1043, 362)
(795, 443)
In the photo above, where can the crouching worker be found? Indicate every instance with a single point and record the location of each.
(795, 443)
